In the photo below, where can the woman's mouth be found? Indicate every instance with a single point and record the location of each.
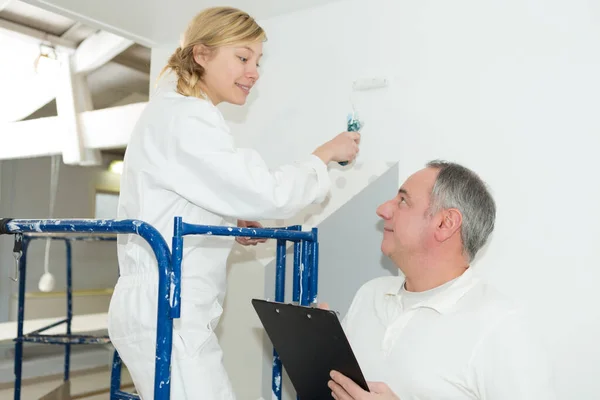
(245, 89)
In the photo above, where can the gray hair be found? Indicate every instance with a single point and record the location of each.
(460, 188)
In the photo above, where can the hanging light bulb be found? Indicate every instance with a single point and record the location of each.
(47, 62)
(116, 167)
(47, 281)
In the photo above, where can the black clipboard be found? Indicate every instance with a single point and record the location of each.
(310, 343)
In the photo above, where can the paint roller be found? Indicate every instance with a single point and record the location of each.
(353, 123)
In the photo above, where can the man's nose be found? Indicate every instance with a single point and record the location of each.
(384, 211)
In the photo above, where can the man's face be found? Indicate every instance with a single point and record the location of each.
(408, 228)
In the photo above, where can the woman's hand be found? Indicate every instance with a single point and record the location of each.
(246, 241)
(343, 147)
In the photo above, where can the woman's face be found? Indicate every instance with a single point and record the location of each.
(230, 71)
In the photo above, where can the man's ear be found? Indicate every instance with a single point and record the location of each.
(202, 54)
(450, 221)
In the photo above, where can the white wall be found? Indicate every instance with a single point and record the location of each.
(506, 88)
(25, 193)
(349, 256)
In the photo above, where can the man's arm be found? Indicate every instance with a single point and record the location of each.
(510, 363)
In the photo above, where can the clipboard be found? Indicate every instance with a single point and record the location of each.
(310, 343)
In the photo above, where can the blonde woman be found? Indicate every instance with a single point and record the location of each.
(182, 161)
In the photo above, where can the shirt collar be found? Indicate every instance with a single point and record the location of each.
(444, 301)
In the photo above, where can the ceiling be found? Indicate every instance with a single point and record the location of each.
(125, 78)
(157, 22)
(122, 80)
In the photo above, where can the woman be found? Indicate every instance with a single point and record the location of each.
(182, 161)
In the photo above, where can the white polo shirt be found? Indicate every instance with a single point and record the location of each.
(462, 340)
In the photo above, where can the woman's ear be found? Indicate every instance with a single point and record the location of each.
(201, 54)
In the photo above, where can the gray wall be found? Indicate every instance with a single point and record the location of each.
(345, 263)
(25, 193)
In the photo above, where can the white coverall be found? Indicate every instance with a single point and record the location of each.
(181, 161)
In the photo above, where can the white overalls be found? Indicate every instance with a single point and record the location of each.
(181, 161)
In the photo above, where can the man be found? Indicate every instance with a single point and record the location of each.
(440, 332)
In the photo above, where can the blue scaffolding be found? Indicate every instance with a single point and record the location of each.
(305, 281)
(22, 243)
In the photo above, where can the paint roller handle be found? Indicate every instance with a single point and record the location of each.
(354, 125)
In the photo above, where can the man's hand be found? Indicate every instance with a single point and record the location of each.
(245, 241)
(343, 388)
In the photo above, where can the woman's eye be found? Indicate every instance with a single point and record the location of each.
(244, 59)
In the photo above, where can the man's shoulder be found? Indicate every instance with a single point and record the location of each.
(371, 294)
(489, 305)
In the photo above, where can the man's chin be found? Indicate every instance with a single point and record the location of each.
(386, 252)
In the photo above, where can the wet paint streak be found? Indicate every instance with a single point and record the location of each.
(277, 387)
(314, 275)
(65, 339)
(305, 274)
(268, 233)
(301, 282)
(296, 272)
(276, 382)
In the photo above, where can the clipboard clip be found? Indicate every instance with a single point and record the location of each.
(316, 305)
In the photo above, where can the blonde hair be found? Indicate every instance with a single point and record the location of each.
(213, 27)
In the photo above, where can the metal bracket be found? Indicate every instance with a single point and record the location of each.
(17, 253)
